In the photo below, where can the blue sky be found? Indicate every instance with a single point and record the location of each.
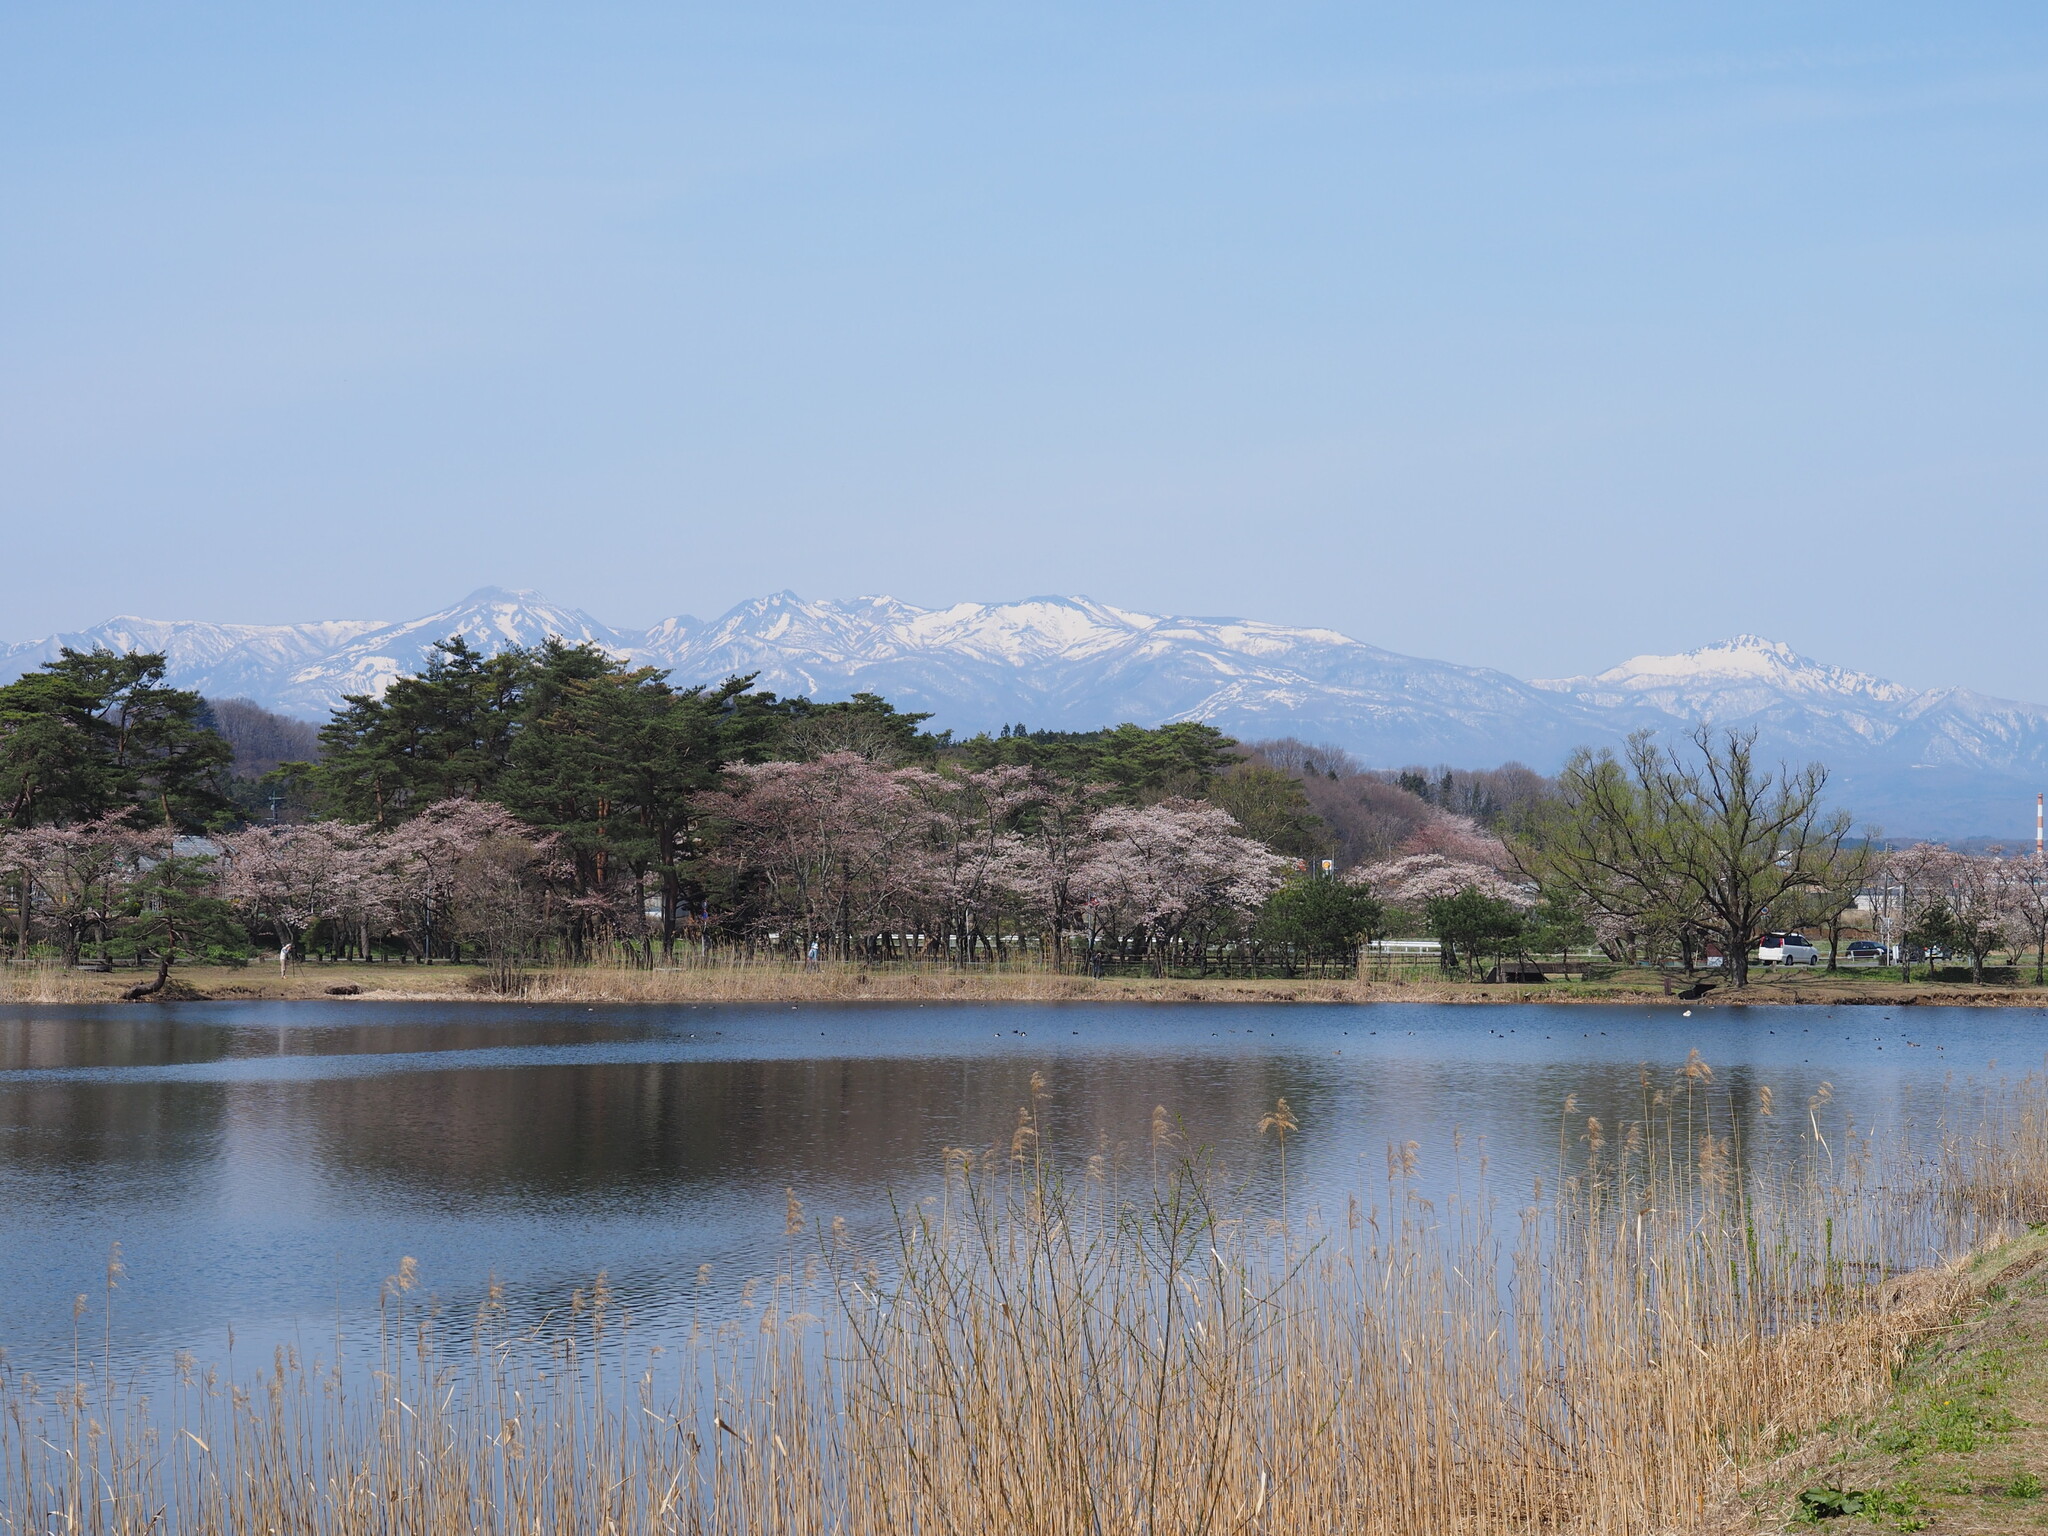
(1532, 336)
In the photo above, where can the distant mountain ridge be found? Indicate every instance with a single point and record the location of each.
(1947, 762)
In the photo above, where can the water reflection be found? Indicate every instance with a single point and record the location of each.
(266, 1165)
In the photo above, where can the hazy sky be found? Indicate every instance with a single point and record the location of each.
(1527, 335)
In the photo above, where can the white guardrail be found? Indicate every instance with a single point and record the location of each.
(1430, 947)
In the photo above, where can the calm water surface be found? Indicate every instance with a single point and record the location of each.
(264, 1166)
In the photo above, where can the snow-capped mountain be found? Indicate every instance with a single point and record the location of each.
(1069, 663)
(220, 660)
(1750, 681)
(491, 620)
(1737, 676)
(1946, 762)
(305, 669)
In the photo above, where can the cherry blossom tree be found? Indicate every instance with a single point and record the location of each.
(76, 877)
(419, 861)
(1044, 868)
(1461, 840)
(2026, 902)
(970, 824)
(500, 901)
(1430, 885)
(289, 877)
(1157, 870)
(1414, 880)
(1966, 897)
(830, 844)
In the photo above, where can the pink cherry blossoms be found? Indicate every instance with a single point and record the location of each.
(1445, 855)
(362, 883)
(861, 858)
(77, 876)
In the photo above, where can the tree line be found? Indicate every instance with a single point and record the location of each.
(553, 801)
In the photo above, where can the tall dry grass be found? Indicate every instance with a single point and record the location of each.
(735, 976)
(44, 981)
(1995, 1171)
(1109, 1345)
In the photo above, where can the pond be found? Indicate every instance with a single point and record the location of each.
(265, 1166)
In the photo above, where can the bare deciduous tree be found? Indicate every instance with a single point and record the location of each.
(1708, 840)
(501, 902)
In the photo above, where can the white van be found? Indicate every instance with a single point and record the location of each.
(1786, 949)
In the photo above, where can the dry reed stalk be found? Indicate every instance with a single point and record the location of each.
(1039, 1350)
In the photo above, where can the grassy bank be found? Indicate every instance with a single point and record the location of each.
(781, 981)
(1110, 1342)
(1961, 1447)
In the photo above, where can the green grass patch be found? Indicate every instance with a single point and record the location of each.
(1957, 1414)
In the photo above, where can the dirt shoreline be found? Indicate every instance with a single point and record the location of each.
(318, 981)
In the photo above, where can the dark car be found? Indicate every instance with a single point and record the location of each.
(1866, 949)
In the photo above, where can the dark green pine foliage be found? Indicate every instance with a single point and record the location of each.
(606, 757)
(1474, 926)
(172, 912)
(444, 733)
(610, 760)
(94, 732)
(1321, 919)
(867, 723)
(1141, 766)
(1272, 807)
